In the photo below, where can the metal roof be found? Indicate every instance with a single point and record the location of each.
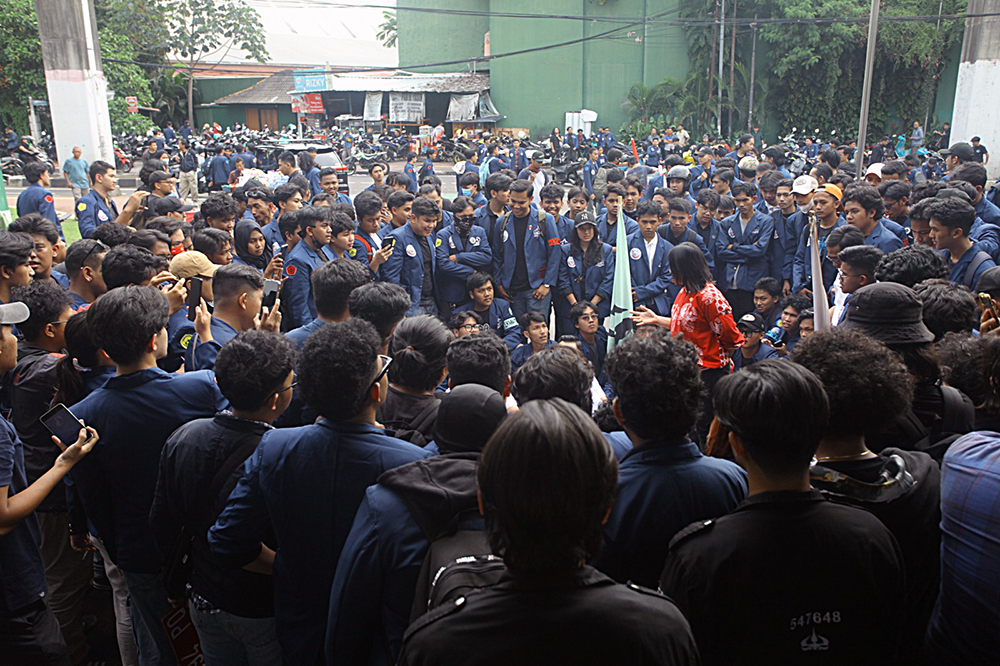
(272, 90)
(407, 82)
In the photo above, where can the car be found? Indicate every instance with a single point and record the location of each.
(326, 156)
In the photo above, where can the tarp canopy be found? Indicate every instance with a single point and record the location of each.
(373, 106)
(462, 108)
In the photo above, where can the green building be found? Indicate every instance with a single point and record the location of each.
(535, 90)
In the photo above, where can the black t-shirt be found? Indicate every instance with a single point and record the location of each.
(519, 281)
(978, 152)
(427, 292)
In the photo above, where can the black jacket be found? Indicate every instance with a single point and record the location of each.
(33, 390)
(580, 618)
(189, 461)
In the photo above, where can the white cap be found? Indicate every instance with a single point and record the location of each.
(13, 313)
(875, 169)
(805, 185)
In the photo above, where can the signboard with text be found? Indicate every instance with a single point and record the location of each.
(132, 104)
(307, 80)
(307, 103)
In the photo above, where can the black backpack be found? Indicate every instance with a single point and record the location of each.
(953, 425)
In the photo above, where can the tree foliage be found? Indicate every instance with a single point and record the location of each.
(21, 71)
(387, 32)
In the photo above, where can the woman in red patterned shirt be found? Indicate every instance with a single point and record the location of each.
(703, 317)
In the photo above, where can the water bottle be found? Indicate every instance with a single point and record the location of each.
(775, 335)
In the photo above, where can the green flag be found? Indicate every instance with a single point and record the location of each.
(620, 322)
(5, 216)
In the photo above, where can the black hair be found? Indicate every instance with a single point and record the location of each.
(422, 206)
(962, 364)
(678, 205)
(614, 188)
(845, 236)
(112, 234)
(34, 224)
(458, 319)
(45, 301)
(287, 157)
(347, 351)
(614, 154)
(557, 372)
(34, 170)
(208, 241)
(218, 206)
(547, 479)
(947, 306)
(768, 284)
(252, 366)
(84, 250)
(458, 204)
(579, 309)
(419, 347)
(894, 190)
(399, 198)
(973, 173)
(708, 197)
(306, 161)
(796, 302)
(81, 352)
(865, 196)
(428, 186)
(332, 284)
(647, 209)
(497, 182)
(771, 179)
(99, 168)
(605, 419)
(552, 192)
(283, 193)
(953, 213)
(289, 224)
(165, 225)
(468, 179)
(689, 268)
(575, 192)
(341, 222)
(478, 359)
(147, 238)
(910, 265)
(824, 171)
(831, 157)
(877, 384)
(725, 175)
(234, 279)
(383, 304)
(894, 168)
(128, 265)
(149, 167)
(747, 189)
(520, 186)
(725, 163)
(865, 258)
(745, 139)
(125, 319)
(658, 385)
(632, 181)
(746, 403)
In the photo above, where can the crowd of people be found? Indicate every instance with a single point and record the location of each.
(339, 431)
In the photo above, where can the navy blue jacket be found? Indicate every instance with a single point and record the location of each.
(405, 266)
(802, 268)
(501, 320)
(696, 182)
(541, 251)
(692, 236)
(609, 233)
(589, 171)
(411, 172)
(520, 355)
(585, 283)
(663, 487)
(302, 260)
(309, 482)
(988, 237)
(200, 355)
(135, 415)
(746, 262)
(883, 239)
(960, 269)
(37, 199)
(91, 211)
(484, 219)
(473, 254)
(655, 290)
(376, 576)
(218, 170)
(313, 178)
(189, 161)
(298, 336)
(781, 253)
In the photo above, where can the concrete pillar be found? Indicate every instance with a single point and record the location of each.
(76, 85)
(976, 112)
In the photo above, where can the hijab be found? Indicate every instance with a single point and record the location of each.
(242, 233)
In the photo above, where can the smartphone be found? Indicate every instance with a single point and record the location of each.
(284, 250)
(61, 423)
(194, 296)
(271, 288)
(275, 248)
(986, 301)
(389, 241)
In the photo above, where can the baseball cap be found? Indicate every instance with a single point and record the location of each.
(165, 205)
(975, 138)
(832, 189)
(14, 313)
(875, 169)
(467, 417)
(158, 176)
(536, 155)
(889, 312)
(963, 151)
(190, 264)
(805, 185)
(752, 322)
(584, 217)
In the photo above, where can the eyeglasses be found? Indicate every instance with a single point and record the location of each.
(63, 321)
(386, 362)
(97, 244)
(589, 317)
(845, 274)
(472, 328)
(465, 218)
(290, 386)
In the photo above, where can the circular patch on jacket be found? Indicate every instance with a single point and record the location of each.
(290, 270)
(437, 243)
(571, 262)
(48, 198)
(101, 215)
(186, 340)
(635, 253)
(352, 252)
(505, 236)
(81, 206)
(411, 251)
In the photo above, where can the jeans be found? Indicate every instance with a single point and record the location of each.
(68, 574)
(119, 597)
(147, 605)
(31, 637)
(709, 377)
(231, 640)
(522, 302)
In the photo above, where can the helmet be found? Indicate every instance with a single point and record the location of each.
(678, 171)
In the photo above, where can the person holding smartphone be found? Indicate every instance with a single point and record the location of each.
(30, 630)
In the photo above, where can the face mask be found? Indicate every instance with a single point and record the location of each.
(466, 193)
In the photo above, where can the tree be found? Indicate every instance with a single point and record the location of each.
(201, 31)
(387, 31)
(22, 74)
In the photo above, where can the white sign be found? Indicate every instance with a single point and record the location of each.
(406, 107)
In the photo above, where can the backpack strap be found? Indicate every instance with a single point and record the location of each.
(970, 272)
(954, 418)
(368, 247)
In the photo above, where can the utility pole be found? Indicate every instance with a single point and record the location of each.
(976, 111)
(732, 71)
(711, 67)
(866, 92)
(722, 45)
(77, 89)
(753, 72)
